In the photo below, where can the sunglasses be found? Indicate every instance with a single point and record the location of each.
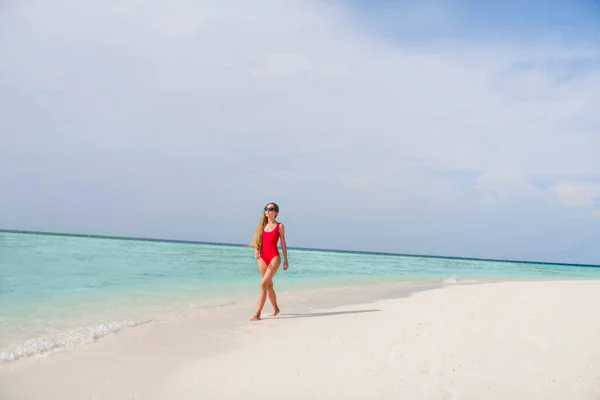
(270, 209)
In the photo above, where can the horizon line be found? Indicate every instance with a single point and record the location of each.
(182, 241)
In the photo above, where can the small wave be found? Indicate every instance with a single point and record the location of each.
(451, 279)
(52, 344)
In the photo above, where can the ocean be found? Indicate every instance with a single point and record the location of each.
(60, 290)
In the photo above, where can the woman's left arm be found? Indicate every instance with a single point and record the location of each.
(283, 246)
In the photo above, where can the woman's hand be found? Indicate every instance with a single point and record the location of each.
(256, 254)
(285, 265)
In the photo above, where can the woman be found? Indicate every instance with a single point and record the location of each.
(267, 233)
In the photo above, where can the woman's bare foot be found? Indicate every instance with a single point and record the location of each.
(255, 318)
(274, 314)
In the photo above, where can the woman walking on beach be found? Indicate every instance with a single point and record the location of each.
(268, 232)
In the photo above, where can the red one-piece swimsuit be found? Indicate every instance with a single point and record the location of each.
(268, 250)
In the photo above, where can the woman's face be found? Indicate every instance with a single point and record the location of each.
(271, 210)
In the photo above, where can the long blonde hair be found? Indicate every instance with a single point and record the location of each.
(257, 238)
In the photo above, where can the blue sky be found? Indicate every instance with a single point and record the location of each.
(567, 19)
(458, 128)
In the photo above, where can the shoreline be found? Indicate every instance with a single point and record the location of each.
(78, 335)
(169, 354)
(368, 290)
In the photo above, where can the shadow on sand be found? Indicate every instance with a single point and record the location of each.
(320, 314)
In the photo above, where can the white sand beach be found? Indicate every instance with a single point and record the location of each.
(522, 340)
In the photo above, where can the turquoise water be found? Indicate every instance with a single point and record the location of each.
(56, 290)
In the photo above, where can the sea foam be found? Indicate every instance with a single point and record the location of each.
(51, 344)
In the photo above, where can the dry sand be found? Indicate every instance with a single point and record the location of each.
(522, 340)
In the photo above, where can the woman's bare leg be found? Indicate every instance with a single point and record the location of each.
(262, 268)
(266, 288)
(273, 299)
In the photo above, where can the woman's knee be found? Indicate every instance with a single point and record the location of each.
(266, 284)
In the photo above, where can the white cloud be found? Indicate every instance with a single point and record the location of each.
(203, 97)
(578, 194)
(289, 65)
(508, 186)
